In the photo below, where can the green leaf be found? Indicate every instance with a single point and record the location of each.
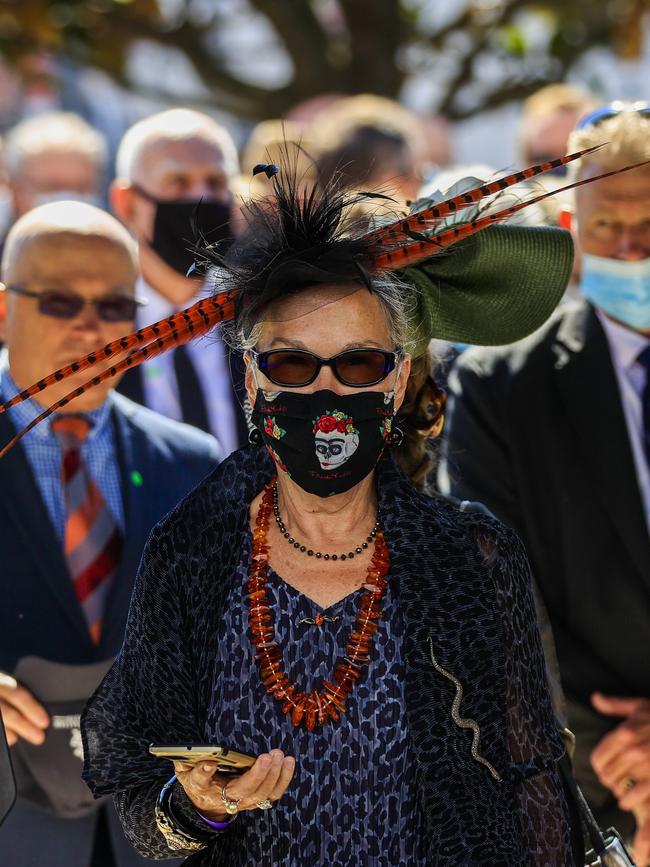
(513, 40)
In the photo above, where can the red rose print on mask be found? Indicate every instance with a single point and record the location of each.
(273, 429)
(325, 424)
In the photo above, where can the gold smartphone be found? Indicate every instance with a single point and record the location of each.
(228, 761)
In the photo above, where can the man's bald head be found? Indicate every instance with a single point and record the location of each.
(69, 274)
(67, 223)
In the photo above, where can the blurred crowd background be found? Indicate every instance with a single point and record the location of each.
(463, 70)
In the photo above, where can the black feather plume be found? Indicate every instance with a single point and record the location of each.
(301, 235)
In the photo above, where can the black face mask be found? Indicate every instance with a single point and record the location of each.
(326, 442)
(173, 230)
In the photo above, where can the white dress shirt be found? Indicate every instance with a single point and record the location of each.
(624, 347)
(210, 359)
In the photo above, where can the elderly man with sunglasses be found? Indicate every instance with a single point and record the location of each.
(79, 496)
(553, 434)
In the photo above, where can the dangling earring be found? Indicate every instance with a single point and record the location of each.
(255, 437)
(396, 437)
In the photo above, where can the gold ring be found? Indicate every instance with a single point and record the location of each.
(627, 783)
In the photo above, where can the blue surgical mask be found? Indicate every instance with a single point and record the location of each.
(619, 288)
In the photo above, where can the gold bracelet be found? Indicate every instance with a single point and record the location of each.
(175, 836)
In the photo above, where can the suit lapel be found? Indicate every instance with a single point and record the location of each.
(589, 389)
(134, 466)
(32, 525)
(132, 385)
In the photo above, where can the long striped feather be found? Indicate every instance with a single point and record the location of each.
(422, 220)
(405, 255)
(204, 314)
(187, 331)
(385, 254)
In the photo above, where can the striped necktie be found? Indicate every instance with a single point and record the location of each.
(93, 542)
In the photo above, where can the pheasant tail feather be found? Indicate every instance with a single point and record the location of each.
(198, 318)
(426, 219)
(407, 255)
(187, 330)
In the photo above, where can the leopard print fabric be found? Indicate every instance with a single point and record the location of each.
(463, 590)
(353, 799)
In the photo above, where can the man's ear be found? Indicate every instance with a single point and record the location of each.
(122, 200)
(565, 218)
(402, 382)
(3, 312)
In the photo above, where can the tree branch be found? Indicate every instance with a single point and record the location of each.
(232, 93)
(304, 39)
(483, 33)
(376, 32)
(516, 91)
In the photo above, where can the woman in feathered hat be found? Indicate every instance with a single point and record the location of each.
(376, 650)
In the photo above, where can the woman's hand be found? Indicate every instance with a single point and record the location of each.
(268, 779)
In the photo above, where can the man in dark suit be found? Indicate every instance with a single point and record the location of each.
(174, 168)
(552, 435)
(79, 496)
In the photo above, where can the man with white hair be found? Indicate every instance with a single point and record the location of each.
(553, 435)
(80, 494)
(54, 156)
(173, 168)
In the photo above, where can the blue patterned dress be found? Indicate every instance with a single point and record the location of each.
(353, 799)
(401, 772)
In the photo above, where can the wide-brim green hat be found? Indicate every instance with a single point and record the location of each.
(491, 289)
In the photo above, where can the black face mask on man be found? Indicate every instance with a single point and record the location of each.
(326, 442)
(173, 227)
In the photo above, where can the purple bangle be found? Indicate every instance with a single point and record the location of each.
(216, 826)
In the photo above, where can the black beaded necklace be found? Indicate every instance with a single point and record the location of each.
(318, 554)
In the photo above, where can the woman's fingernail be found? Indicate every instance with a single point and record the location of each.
(207, 768)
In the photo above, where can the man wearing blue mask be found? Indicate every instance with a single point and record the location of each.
(173, 171)
(559, 429)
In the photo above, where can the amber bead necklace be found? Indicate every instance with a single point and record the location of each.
(319, 706)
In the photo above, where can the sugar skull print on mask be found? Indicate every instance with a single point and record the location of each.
(326, 442)
(336, 439)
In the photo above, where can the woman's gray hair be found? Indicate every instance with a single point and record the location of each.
(244, 334)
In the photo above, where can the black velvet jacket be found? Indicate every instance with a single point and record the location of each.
(486, 767)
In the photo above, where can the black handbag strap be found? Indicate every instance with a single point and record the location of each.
(586, 816)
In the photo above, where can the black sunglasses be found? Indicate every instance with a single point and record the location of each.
(356, 368)
(67, 305)
(613, 109)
